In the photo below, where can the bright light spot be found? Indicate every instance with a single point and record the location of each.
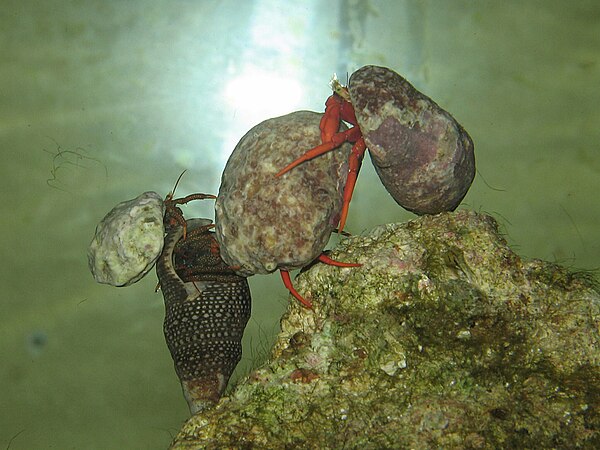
(266, 79)
(260, 94)
(256, 95)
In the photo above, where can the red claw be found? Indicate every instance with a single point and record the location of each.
(330, 122)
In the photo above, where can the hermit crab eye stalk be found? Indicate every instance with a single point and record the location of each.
(339, 88)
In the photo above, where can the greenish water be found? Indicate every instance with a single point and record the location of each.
(102, 100)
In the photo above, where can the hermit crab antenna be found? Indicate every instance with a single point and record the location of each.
(172, 193)
(172, 210)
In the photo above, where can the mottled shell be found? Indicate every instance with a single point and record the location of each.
(207, 308)
(422, 155)
(128, 240)
(264, 223)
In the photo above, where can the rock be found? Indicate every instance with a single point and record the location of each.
(128, 241)
(444, 338)
(265, 223)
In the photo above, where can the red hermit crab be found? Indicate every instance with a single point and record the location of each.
(422, 155)
(338, 108)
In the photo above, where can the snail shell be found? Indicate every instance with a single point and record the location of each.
(128, 240)
(264, 223)
(207, 307)
(422, 155)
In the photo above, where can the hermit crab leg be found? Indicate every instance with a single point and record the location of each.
(287, 281)
(350, 135)
(332, 262)
(189, 198)
(175, 215)
(354, 163)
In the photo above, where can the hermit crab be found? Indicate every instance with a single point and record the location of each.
(422, 155)
(207, 306)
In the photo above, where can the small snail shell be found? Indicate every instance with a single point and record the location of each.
(128, 240)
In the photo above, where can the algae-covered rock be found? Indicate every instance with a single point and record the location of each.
(444, 338)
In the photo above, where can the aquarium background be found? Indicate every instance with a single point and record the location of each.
(103, 100)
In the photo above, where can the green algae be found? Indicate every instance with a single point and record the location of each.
(443, 338)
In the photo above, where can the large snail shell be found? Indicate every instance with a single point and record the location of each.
(207, 307)
(422, 155)
(264, 223)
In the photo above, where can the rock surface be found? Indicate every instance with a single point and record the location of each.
(444, 338)
(264, 223)
(128, 240)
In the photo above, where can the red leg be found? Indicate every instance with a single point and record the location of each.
(332, 262)
(354, 163)
(287, 282)
(338, 139)
(312, 153)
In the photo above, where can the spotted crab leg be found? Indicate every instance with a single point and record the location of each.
(175, 215)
